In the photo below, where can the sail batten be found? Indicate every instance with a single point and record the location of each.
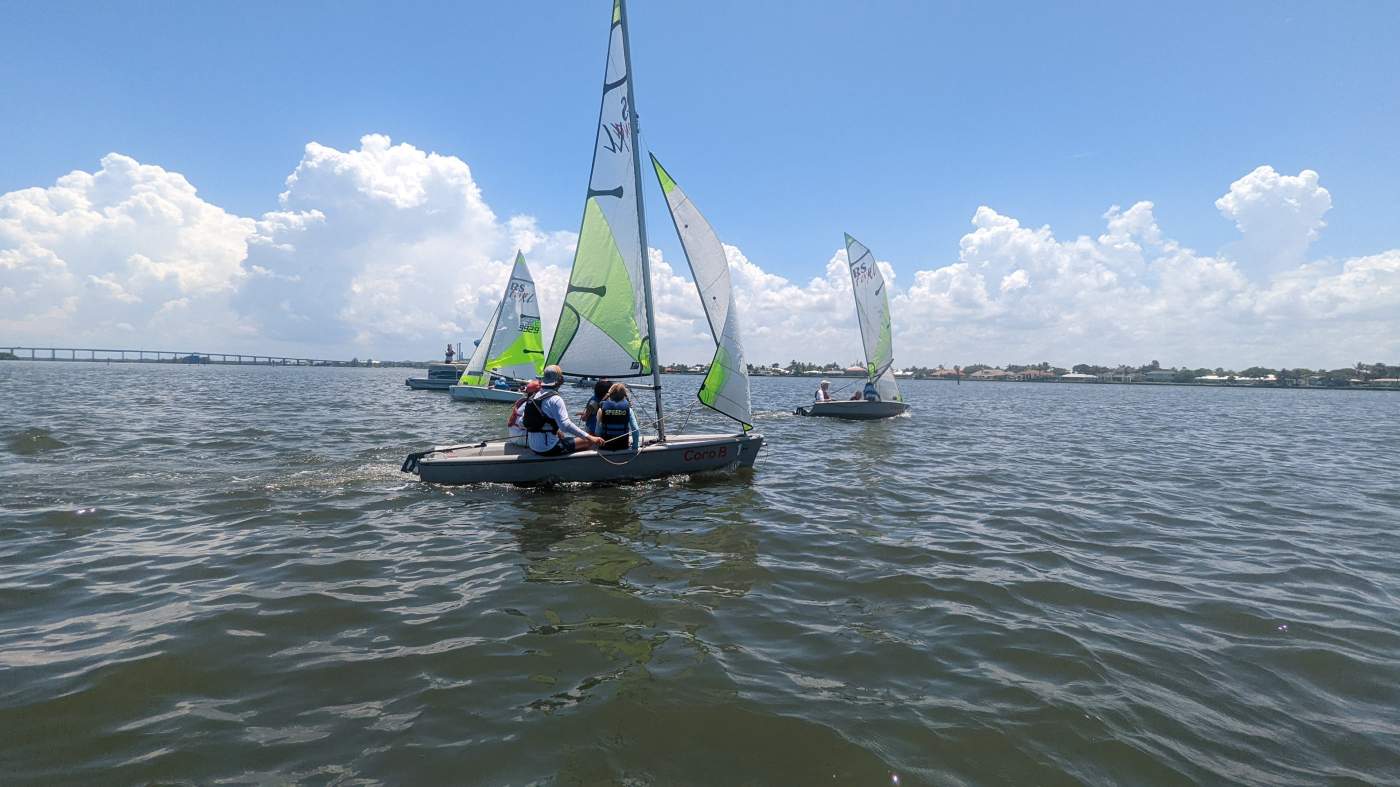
(726, 385)
(873, 315)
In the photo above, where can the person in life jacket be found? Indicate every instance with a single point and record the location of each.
(514, 427)
(617, 421)
(590, 410)
(872, 394)
(548, 430)
(823, 393)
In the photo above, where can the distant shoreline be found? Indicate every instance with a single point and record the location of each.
(1055, 381)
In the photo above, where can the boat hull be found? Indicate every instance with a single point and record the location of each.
(509, 464)
(479, 393)
(441, 376)
(854, 410)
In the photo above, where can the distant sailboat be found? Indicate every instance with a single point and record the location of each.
(607, 326)
(873, 315)
(510, 348)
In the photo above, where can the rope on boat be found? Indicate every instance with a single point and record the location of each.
(410, 464)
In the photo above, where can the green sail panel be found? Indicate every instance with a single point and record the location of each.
(601, 329)
(512, 345)
(873, 315)
(726, 386)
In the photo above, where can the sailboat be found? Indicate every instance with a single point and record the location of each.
(510, 347)
(607, 326)
(873, 314)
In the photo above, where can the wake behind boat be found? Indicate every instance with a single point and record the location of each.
(881, 397)
(607, 326)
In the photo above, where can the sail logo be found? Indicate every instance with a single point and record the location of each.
(519, 292)
(619, 132)
(529, 324)
(617, 138)
(863, 271)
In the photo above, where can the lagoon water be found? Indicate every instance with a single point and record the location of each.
(218, 574)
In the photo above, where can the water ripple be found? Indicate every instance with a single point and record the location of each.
(218, 575)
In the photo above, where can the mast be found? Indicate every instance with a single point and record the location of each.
(642, 222)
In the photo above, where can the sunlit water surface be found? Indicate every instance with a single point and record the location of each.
(217, 574)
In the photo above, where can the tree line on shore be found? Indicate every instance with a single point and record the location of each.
(1361, 372)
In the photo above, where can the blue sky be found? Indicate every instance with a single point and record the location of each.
(787, 122)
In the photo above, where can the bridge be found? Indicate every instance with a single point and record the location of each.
(164, 356)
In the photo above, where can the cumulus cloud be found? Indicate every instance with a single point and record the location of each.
(389, 250)
(1279, 216)
(114, 253)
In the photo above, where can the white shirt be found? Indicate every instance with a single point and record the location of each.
(821, 396)
(553, 407)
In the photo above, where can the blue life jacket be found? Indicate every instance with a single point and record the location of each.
(590, 424)
(871, 394)
(614, 422)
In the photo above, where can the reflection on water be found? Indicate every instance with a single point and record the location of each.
(218, 574)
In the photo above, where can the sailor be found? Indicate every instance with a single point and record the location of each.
(514, 427)
(823, 393)
(872, 394)
(546, 419)
(617, 421)
(450, 353)
(590, 410)
(500, 383)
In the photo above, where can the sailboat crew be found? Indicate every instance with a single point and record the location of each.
(590, 410)
(823, 393)
(546, 420)
(450, 353)
(617, 421)
(514, 425)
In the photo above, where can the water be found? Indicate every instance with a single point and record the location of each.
(215, 574)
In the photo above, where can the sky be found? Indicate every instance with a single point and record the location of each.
(1206, 184)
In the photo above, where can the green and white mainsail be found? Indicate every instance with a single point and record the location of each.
(873, 314)
(603, 329)
(511, 344)
(726, 386)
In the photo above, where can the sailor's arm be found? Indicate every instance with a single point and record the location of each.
(560, 414)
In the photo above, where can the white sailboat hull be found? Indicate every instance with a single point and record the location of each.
(510, 464)
(480, 393)
(854, 410)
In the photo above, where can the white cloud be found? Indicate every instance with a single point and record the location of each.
(102, 254)
(389, 250)
(1278, 216)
